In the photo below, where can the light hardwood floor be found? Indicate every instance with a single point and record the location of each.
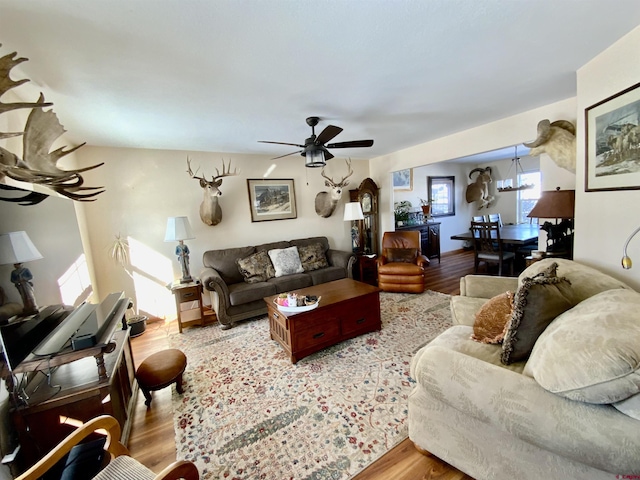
(152, 439)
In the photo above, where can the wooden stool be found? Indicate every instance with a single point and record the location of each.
(161, 370)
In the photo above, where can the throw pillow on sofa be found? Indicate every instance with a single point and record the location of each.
(286, 261)
(312, 257)
(256, 268)
(537, 302)
(591, 353)
(492, 318)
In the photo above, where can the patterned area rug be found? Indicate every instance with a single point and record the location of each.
(248, 413)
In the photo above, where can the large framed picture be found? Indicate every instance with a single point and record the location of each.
(273, 199)
(403, 180)
(613, 142)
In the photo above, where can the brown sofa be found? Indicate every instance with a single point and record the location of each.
(233, 299)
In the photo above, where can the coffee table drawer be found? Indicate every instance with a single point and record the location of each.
(365, 319)
(312, 335)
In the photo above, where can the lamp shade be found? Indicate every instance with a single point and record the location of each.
(555, 204)
(178, 228)
(17, 247)
(352, 211)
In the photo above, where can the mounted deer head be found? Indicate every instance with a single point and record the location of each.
(39, 165)
(210, 211)
(326, 201)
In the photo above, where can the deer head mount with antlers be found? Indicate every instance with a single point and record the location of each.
(38, 164)
(326, 202)
(210, 211)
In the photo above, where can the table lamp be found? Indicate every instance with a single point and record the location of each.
(558, 204)
(17, 248)
(179, 230)
(353, 213)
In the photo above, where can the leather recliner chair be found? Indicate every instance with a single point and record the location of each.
(401, 266)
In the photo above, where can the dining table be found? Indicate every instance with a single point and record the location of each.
(518, 234)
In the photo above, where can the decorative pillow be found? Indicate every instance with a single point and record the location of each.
(403, 255)
(256, 268)
(286, 261)
(592, 352)
(537, 302)
(312, 257)
(492, 318)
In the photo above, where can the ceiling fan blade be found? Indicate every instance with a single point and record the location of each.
(352, 144)
(327, 134)
(327, 154)
(286, 155)
(282, 143)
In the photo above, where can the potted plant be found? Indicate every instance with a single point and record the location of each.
(401, 211)
(426, 207)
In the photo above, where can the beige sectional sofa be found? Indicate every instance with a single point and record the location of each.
(234, 299)
(571, 410)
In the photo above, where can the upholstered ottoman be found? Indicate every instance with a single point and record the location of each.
(161, 370)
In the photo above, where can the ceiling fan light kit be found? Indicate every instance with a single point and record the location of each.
(314, 149)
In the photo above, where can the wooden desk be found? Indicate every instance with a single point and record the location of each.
(520, 234)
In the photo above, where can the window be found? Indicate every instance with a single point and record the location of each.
(441, 192)
(528, 198)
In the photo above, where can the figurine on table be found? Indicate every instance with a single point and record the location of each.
(21, 277)
(182, 251)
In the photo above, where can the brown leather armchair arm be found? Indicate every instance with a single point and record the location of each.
(422, 261)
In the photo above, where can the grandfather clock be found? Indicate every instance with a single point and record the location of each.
(367, 195)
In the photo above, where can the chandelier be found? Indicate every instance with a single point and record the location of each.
(506, 185)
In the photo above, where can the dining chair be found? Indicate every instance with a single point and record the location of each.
(488, 246)
(495, 217)
(479, 218)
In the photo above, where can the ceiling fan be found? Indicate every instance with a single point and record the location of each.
(314, 149)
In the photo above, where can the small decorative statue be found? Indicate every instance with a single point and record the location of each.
(21, 277)
(182, 251)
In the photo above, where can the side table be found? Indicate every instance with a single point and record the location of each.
(188, 293)
(368, 269)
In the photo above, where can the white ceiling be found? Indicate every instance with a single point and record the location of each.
(219, 75)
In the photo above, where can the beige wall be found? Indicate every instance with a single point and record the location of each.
(604, 220)
(144, 187)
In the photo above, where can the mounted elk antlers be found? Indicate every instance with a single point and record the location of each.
(326, 201)
(210, 211)
(558, 140)
(479, 189)
(39, 163)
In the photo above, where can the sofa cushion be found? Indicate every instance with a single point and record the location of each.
(457, 338)
(301, 242)
(224, 261)
(241, 292)
(586, 281)
(286, 261)
(406, 255)
(288, 283)
(630, 406)
(328, 274)
(537, 302)
(256, 267)
(464, 309)
(591, 353)
(312, 257)
(492, 318)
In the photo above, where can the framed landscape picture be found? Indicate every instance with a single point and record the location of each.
(613, 142)
(273, 199)
(403, 179)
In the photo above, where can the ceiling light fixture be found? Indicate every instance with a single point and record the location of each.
(506, 186)
(314, 158)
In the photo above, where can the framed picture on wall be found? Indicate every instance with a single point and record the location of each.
(403, 180)
(612, 132)
(273, 199)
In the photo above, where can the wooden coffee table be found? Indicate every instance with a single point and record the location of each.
(347, 309)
